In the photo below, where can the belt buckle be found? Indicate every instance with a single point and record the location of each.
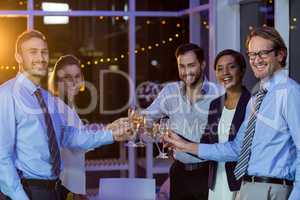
(252, 179)
(284, 182)
(57, 184)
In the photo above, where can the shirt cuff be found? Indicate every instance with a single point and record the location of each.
(106, 137)
(203, 152)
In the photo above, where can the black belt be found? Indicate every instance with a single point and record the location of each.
(48, 184)
(263, 179)
(191, 166)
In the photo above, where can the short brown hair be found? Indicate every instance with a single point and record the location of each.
(26, 35)
(182, 49)
(271, 34)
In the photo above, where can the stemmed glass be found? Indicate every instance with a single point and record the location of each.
(159, 131)
(131, 142)
(140, 121)
(136, 120)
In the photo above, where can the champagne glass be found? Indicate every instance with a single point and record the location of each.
(139, 121)
(162, 129)
(131, 142)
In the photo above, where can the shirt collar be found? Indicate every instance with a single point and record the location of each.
(26, 83)
(203, 90)
(278, 77)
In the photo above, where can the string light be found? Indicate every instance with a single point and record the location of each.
(122, 56)
(294, 19)
(7, 67)
(115, 59)
(117, 18)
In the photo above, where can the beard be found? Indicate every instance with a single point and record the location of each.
(36, 71)
(191, 80)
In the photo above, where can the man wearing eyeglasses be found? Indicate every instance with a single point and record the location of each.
(267, 146)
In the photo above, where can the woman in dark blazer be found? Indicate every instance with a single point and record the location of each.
(225, 117)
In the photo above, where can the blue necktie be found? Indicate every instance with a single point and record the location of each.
(52, 142)
(243, 161)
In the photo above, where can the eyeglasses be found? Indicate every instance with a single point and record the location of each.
(262, 54)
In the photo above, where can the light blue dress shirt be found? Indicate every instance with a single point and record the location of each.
(275, 150)
(186, 118)
(23, 135)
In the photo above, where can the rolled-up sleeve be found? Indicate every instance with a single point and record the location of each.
(158, 107)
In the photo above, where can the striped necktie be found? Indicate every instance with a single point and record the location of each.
(52, 142)
(242, 164)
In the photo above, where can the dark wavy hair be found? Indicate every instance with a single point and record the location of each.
(238, 58)
(182, 49)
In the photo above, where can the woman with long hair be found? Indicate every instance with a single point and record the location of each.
(65, 82)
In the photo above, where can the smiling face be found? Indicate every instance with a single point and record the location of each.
(33, 58)
(228, 73)
(265, 65)
(70, 79)
(189, 68)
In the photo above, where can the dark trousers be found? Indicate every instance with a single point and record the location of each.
(188, 185)
(40, 193)
(64, 193)
(37, 193)
(2, 196)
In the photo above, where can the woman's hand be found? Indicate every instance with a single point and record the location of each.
(177, 143)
